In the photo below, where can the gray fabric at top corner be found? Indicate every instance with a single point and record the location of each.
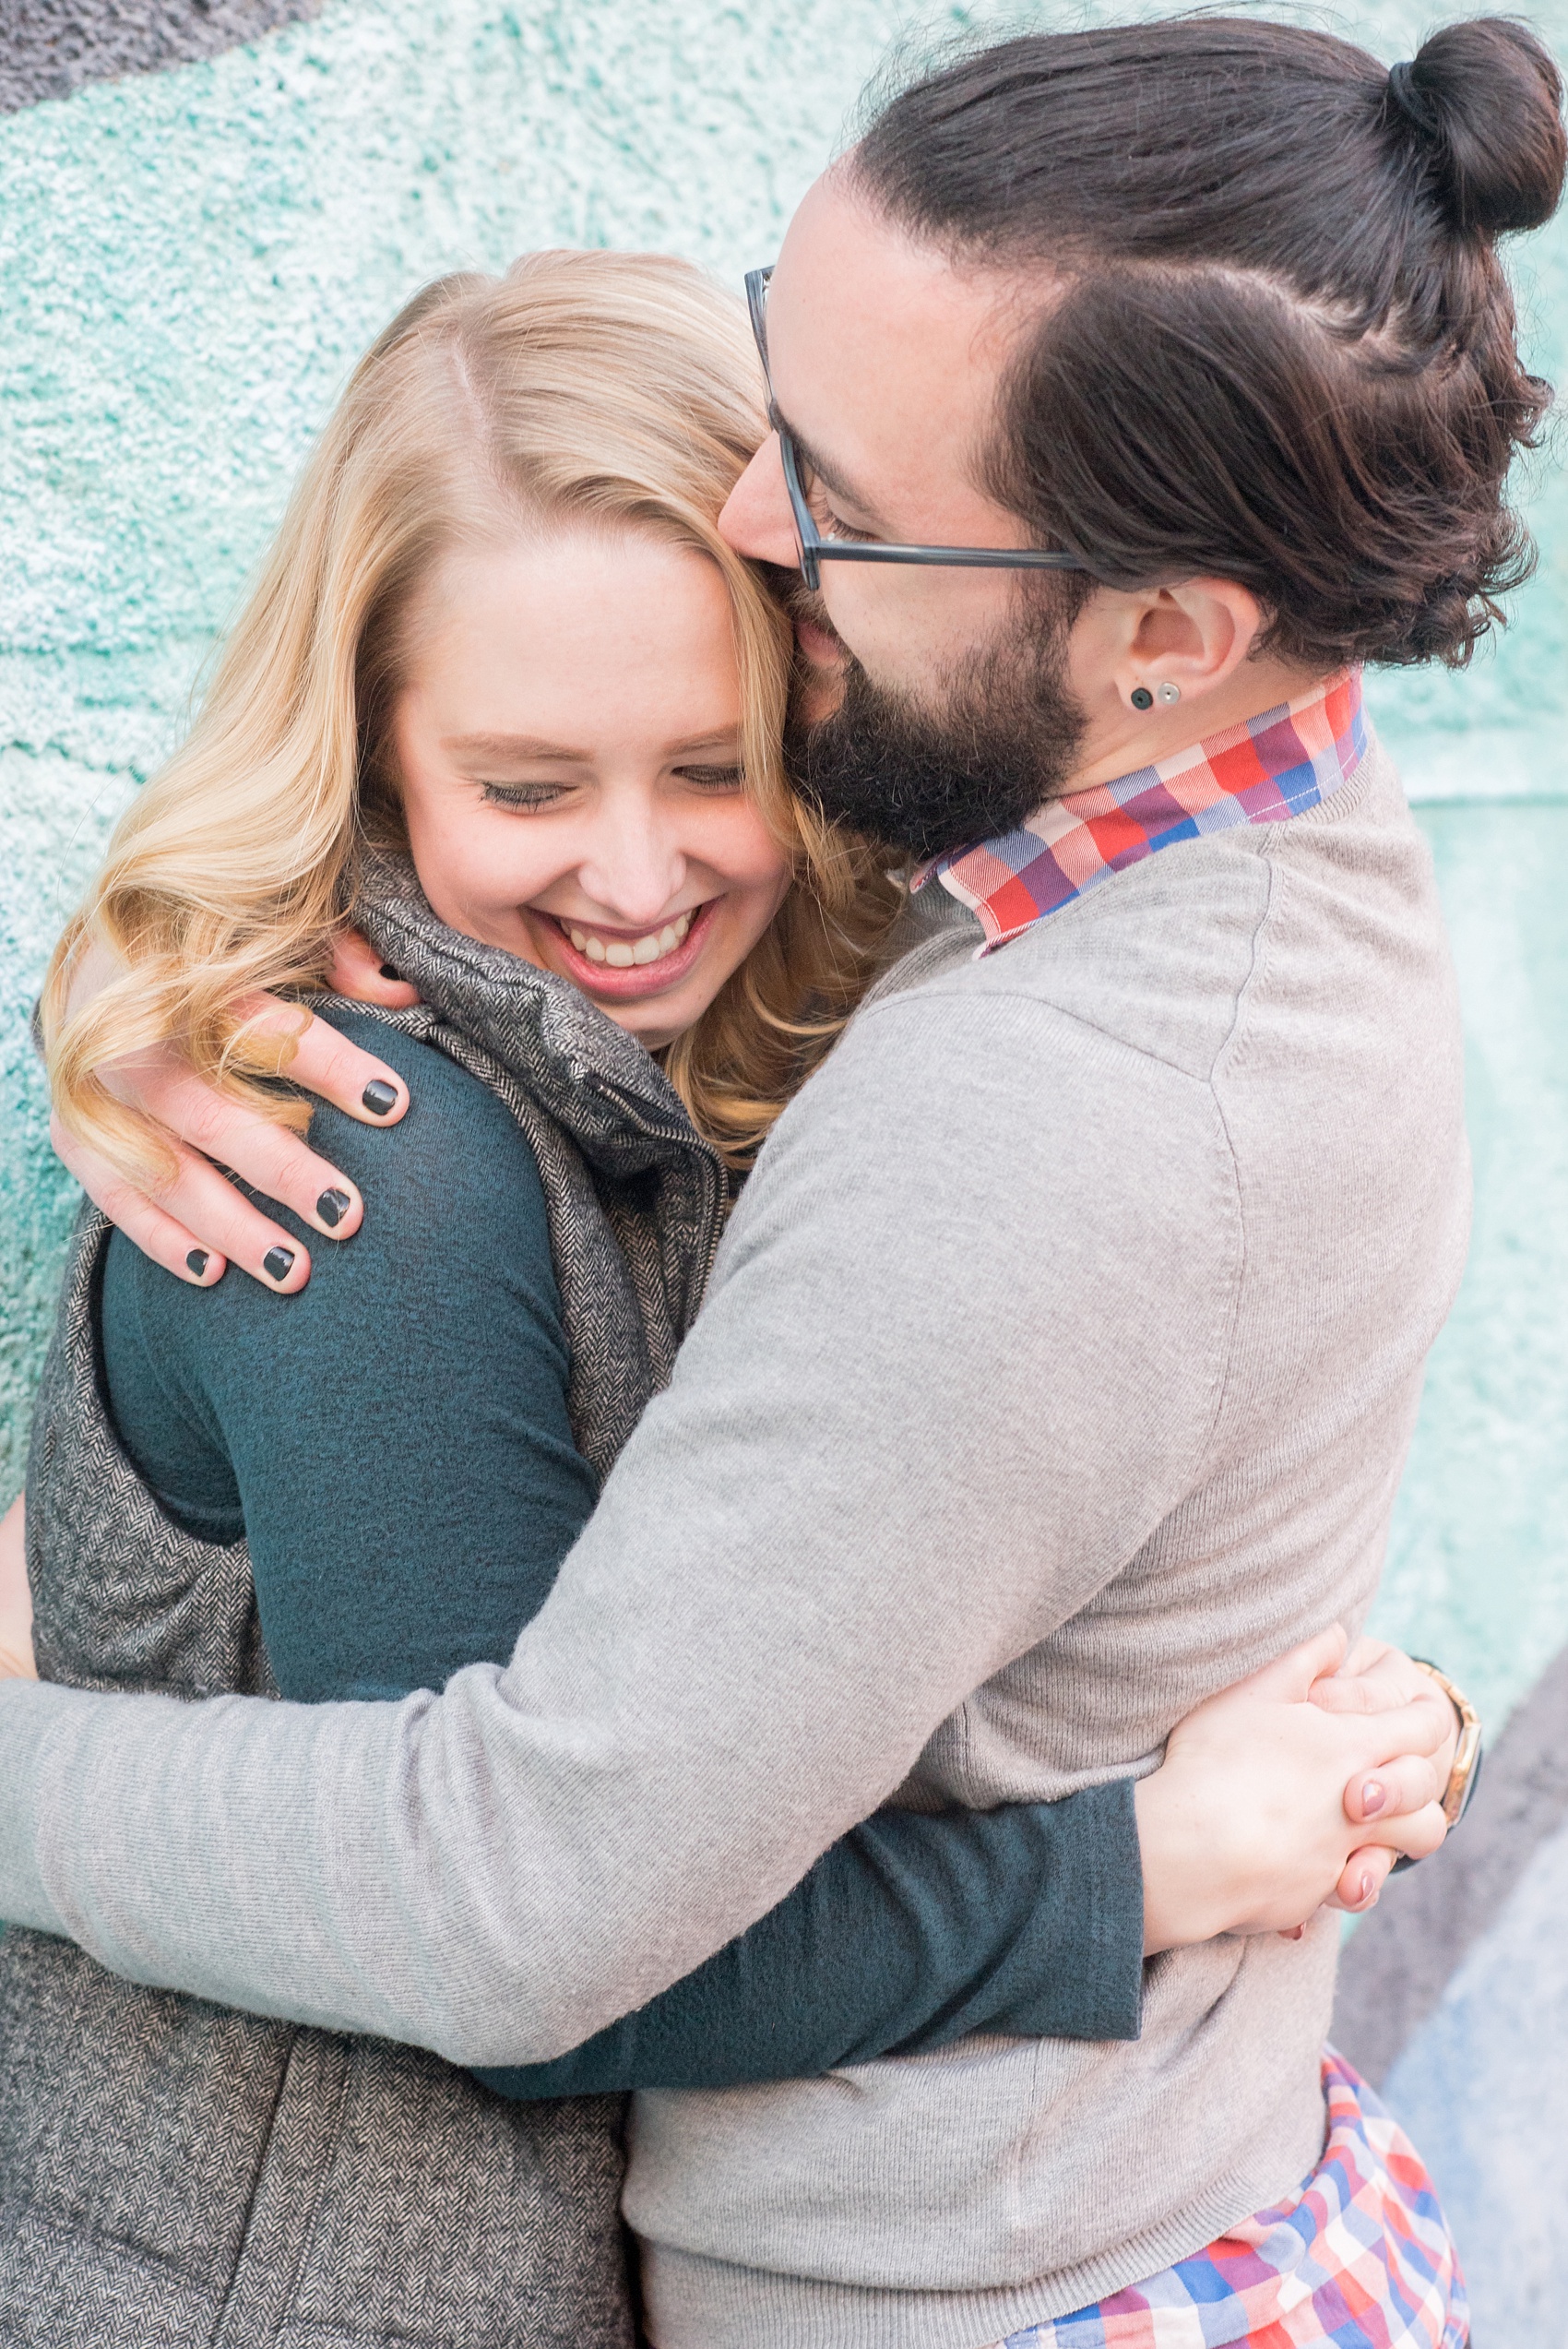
(49, 48)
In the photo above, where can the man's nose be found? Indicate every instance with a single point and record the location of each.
(758, 519)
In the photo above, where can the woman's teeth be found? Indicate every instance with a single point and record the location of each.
(619, 955)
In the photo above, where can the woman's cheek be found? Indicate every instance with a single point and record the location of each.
(497, 872)
(471, 885)
(746, 854)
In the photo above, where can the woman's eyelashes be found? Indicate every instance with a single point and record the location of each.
(528, 796)
(713, 779)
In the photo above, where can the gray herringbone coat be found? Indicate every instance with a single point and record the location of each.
(172, 2172)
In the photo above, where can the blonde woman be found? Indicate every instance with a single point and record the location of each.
(503, 699)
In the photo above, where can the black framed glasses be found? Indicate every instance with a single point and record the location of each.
(815, 549)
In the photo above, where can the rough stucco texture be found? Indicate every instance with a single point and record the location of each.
(49, 48)
(189, 263)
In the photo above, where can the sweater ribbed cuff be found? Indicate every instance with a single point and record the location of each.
(1113, 1961)
(28, 1711)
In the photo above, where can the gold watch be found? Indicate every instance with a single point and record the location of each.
(1465, 1776)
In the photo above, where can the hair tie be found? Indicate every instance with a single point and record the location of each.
(1406, 98)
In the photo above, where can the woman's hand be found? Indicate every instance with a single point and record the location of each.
(16, 1598)
(1300, 1786)
(198, 1224)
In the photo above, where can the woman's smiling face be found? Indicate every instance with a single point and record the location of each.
(568, 750)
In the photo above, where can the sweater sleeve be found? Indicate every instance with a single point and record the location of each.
(909, 1932)
(957, 1366)
(408, 1503)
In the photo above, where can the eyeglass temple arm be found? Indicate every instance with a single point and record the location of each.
(993, 558)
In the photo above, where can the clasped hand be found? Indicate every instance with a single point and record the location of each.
(1300, 1785)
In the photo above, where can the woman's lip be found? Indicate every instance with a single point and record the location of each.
(642, 978)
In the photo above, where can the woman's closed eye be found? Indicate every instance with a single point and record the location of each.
(714, 779)
(526, 798)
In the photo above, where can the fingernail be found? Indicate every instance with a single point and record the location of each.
(387, 973)
(332, 1206)
(197, 1261)
(1368, 1889)
(1374, 1796)
(379, 1097)
(278, 1263)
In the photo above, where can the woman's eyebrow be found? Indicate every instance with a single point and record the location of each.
(513, 746)
(725, 740)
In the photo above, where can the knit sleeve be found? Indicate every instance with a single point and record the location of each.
(394, 1442)
(911, 1932)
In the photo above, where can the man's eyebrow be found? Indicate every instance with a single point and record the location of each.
(826, 472)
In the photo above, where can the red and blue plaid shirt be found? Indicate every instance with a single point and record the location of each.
(1259, 773)
(1360, 2258)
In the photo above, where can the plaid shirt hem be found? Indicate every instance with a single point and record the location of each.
(1361, 2258)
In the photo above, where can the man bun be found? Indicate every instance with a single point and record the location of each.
(1482, 103)
(1274, 341)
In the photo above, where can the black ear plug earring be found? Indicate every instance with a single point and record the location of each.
(1140, 697)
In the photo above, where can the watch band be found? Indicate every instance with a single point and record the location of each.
(1465, 1776)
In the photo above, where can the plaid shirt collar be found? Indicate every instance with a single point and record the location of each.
(1261, 772)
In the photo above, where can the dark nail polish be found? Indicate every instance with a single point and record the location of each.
(278, 1263)
(197, 1261)
(387, 973)
(332, 1206)
(379, 1097)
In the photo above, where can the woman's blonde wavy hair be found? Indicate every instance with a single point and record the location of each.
(619, 390)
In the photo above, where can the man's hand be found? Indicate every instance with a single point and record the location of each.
(16, 1598)
(1300, 1786)
(198, 1224)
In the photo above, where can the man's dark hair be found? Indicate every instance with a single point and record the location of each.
(1283, 351)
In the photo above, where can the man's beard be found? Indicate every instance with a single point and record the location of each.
(924, 780)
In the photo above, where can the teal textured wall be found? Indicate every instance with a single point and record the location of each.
(188, 264)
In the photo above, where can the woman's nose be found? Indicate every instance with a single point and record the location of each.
(633, 872)
(758, 519)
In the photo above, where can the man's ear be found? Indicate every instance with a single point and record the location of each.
(1194, 636)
